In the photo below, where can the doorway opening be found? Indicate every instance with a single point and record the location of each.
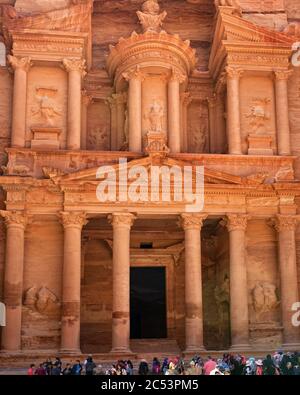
(148, 303)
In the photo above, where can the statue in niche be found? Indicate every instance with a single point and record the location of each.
(46, 109)
(259, 115)
(125, 145)
(222, 298)
(150, 17)
(98, 138)
(264, 299)
(155, 117)
(199, 138)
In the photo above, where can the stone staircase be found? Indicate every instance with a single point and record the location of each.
(150, 348)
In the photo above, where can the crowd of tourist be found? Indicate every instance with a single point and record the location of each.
(279, 363)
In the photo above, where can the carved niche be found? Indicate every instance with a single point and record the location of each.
(197, 128)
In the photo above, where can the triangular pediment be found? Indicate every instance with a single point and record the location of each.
(211, 176)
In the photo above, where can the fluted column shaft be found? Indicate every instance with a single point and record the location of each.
(13, 279)
(121, 281)
(192, 225)
(76, 70)
(233, 111)
(286, 226)
(70, 323)
(21, 67)
(282, 112)
(239, 315)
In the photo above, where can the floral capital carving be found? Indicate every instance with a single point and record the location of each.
(283, 75)
(135, 73)
(13, 218)
(284, 222)
(73, 219)
(236, 221)
(192, 221)
(121, 219)
(234, 72)
(75, 65)
(177, 76)
(20, 63)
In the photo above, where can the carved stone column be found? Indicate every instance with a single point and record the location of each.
(192, 225)
(212, 104)
(21, 67)
(239, 317)
(233, 111)
(70, 323)
(121, 280)
(185, 102)
(135, 78)
(76, 70)
(282, 112)
(286, 226)
(113, 123)
(120, 99)
(174, 110)
(86, 101)
(13, 278)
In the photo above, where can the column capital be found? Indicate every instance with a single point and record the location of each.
(284, 222)
(75, 65)
(73, 219)
(283, 75)
(121, 219)
(120, 98)
(134, 74)
(192, 221)
(186, 98)
(234, 72)
(236, 221)
(87, 99)
(212, 101)
(177, 76)
(20, 63)
(15, 218)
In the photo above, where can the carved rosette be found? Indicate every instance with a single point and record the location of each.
(121, 219)
(73, 219)
(284, 222)
(234, 72)
(78, 65)
(20, 63)
(283, 75)
(192, 221)
(236, 222)
(15, 218)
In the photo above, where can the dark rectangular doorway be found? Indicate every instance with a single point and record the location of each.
(148, 303)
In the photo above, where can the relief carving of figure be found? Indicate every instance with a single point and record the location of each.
(150, 18)
(98, 138)
(46, 109)
(264, 299)
(155, 117)
(199, 138)
(41, 300)
(222, 298)
(259, 115)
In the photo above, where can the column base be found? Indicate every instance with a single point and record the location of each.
(193, 350)
(70, 351)
(240, 347)
(290, 346)
(121, 350)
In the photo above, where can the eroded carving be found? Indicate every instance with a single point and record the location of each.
(46, 110)
(41, 300)
(264, 299)
(150, 17)
(259, 115)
